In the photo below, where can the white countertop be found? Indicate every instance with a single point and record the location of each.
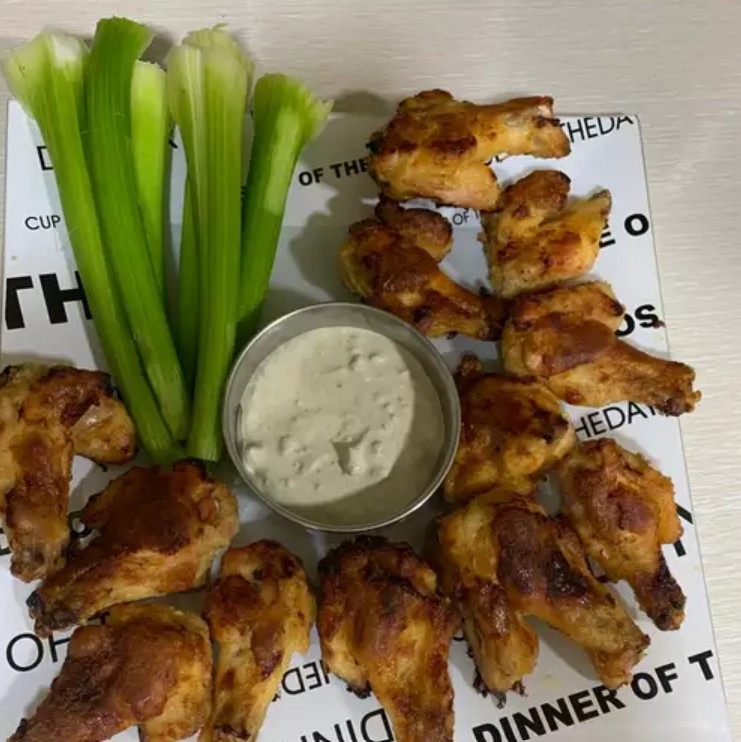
(676, 63)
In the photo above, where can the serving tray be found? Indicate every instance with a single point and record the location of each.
(676, 694)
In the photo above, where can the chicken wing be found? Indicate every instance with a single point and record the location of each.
(566, 338)
(47, 414)
(534, 240)
(391, 262)
(149, 665)
(384, 627)
(623, 510)
(512, 431)
(159, 529)
(504, 559)
(436, 147)
(260, 612)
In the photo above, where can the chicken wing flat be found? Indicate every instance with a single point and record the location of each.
(149, 665)
(391, 262)
(512, 432)
(47, 414)
(504, 559)
(566, 338)
(534, 240)
(260, 612)
(437, 147)
(623, 510)
(385, 627)
(158, 531)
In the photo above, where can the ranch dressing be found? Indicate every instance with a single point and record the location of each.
(341, 423)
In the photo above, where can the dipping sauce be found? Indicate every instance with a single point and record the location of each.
(341, 424)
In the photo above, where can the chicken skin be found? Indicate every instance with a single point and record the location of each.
(623, 510)
(534, 240)
(566, 338)
(502, 559)
(158, 530)
(512, 432)
(385, 627)
(260, 612)
(48, 414)
(391, 261)
(437, 147)
(148, 666)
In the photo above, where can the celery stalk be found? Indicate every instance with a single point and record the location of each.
(188, 291)
(286, 116)
(150, 130)
(46, 76)
(116, 47)
(207, 80)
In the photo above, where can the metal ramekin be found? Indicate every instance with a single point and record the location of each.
(343, 314)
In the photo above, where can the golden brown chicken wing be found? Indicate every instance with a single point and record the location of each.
(512, 432)
(149, 665)
(504, 559)
(566, 338)
(504, 646)
(623, 510)
(534, 240)
(436, 147)
(260, 612)
(158, 530)
(47, 414)
(391, 262)
(384, 627)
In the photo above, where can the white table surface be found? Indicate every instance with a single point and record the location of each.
(676, 63)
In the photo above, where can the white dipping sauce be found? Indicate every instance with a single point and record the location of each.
(341, 424)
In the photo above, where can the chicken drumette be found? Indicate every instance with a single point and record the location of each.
(512, 431)
(566, 338)
(623, 510)
(384, 627)
(149, 665)
(391, 261)
(260, 612)
(502, 558)
(437, 147)
(158, 530)
(48, 414)
(534, 240)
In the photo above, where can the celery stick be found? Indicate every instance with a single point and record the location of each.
(46, 76)
(188, 292)
(150, 131)
(117, 45)
(286, 115)
(207, 81)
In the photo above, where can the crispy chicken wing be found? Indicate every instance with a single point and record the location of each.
(47, 414)
(623, 510)
(512, 431)
(566, 337)
(534, 240)
(384, 627)
(504, 559)
(159, 529)
(149, 665)
(260, 612)
(391, 262)
(437, 147)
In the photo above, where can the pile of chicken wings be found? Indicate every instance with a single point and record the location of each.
(385, 615)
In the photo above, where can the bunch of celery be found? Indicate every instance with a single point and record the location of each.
(100, 115)
(105, 118)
